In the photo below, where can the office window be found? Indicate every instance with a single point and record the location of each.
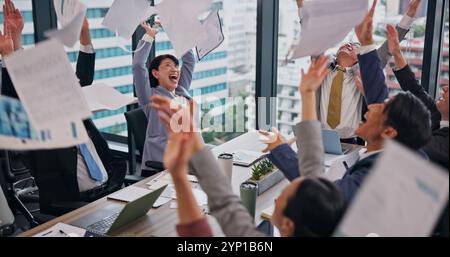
(387, 12)
(443, 76)
(26, 8)
(223, 82)
(112, 66)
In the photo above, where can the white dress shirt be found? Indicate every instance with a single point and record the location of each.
(444, 124)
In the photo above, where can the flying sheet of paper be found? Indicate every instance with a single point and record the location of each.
(17, 132)
(326, 23)
(102, 97)
(213, 26)
(181, 23)
(46, 84)
(404, 195)
(70, 14)
(124, 16)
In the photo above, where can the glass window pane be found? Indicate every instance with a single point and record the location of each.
(112, 66)
(226, 75)
(443, 76)
(387, 12)
(25, 7)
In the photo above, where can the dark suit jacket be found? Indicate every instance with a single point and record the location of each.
(287, 161)
(437, 148)
(56, 170)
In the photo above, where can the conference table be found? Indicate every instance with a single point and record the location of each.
(161, 222)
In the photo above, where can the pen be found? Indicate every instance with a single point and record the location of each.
(62, 232)
(49, 232)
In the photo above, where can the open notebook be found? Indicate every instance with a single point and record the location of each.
(247, 158)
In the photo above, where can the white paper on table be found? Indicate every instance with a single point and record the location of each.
(338, 169)
(102, 97)
(124, 16)
(129, 194)
(326, 23)
(164, 179)
(62, 230)
(404, 195)
(181, 23)
(46, 84)
(161, 201)
(70, 14)
(213, 26)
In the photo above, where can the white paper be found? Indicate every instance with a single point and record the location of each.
(17, 132)
(181, 23)
(129, 194)
(338, 168)
(404, 195)
(246, 157)
(47, 86)
(326, 23)
(102, 97)
(165, 179)
(215, 37)
(62, 230)
(124, 16)
(70, 14)
(161, 201)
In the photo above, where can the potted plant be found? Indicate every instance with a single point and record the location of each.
(266, 175)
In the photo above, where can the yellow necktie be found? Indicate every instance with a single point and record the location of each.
(335, 103)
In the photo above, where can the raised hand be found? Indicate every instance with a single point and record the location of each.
(412, 8)
(274, 139)
(364, 29)
(14, 22)
(300, 3)
(85, 35)
(392, 40)
(6, 44)
(149, 30)
(312, 80)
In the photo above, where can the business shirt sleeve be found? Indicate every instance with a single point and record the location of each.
(199, 228)
(408, 82)
(286, 160)
(224, 205)
(310, 148)
(141, 73)
(85, 68)
(372, 75)
(187, 70)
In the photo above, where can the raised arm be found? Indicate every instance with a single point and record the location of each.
(372, 75)
(85, 69)
(225, 206)
(140, 71)
(309, 131)
(187, 70)
(402, 28)
(407, 79)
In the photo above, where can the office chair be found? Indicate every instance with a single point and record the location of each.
(137, 123)
(18, 190)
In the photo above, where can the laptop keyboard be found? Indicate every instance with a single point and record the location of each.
(102, 226)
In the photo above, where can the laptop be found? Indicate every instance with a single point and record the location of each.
(332, 143)
(115, 218)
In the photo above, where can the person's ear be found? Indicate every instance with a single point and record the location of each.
(287, 227)
(389, 133)
(155, 73)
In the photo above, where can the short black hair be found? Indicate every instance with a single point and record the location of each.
(154, 65)
(316, 208)
(411, 118)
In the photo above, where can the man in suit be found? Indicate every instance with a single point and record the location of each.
(437, 146)
(385, 119)
(340, 100)
(77, 174)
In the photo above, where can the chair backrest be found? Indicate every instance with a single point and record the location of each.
(137, 122)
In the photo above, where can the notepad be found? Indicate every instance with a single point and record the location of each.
(129, 194)
(62, 230)
(267, 213)
(246, 158)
